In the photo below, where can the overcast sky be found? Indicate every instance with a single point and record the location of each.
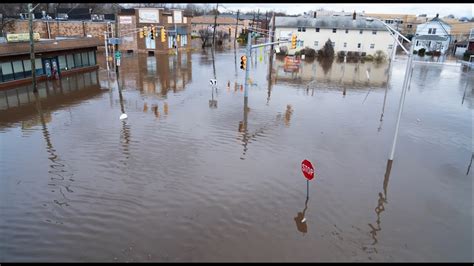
(458, 10)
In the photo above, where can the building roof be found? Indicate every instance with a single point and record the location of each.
(431, 38)
(329, 23)
(18, 48)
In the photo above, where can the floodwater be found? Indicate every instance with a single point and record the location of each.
(202, 174)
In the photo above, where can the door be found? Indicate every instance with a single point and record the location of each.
(51, 67)
(150, 43)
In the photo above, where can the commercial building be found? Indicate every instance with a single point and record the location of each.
(348, 34)
(176, 24)
(54, 59)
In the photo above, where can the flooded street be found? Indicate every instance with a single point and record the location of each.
(200, 174)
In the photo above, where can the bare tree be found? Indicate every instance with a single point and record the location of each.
(8, 13)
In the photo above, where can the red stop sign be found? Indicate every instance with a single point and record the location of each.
(308, 170)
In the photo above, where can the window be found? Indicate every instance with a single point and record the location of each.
(39, 67)
(184, 39)
(316, 43)
(304, 29)
(434, 30)
(18, 69)
(70, 61)
(85, 59)
(429, 31)
(333, 44)
(358, 45)
(317, 29)
(27, 66)
(333, 30)
(62, 62)
(78, 60)
(374, 32)
(409, 26)
(92, 58)
(372, 46)
(185, 20)
(170, 20)
(361, 31)
(345, 45)
(7, 71)
(299, 28)
(347, 31)
(390, 46)
(417, 43)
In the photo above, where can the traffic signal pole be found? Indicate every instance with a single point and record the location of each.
(247, 54)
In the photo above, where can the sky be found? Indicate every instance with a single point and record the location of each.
(458, 10)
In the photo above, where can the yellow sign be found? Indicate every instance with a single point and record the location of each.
(22, 37)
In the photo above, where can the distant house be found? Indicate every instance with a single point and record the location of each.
(433, 35)
(347, 33)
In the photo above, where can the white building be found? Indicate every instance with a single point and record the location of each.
(347, 33)
(433, 35)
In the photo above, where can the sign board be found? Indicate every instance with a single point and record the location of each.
(125, 20)
(148, 16)
(118, 61)
(177, 16)
(22, 37)
(118, 54)
(213, 82)
(115, 41)
(308, 170)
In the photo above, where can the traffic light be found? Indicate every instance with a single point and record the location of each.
(152, 32)
(243, 62)
(141, 34)
(163, 36)
(293, 42)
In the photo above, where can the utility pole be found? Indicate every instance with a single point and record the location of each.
(215, 25)
(116, 41)
(236, 26)
(32, 48)
(266, 23)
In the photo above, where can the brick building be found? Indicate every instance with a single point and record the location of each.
(177, 27)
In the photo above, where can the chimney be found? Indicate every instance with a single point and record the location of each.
(437, 15)
(314, 15)
(354, 15)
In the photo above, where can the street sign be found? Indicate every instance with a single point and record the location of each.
(213, 82)
(308, 170)
(114, 41)
(118, 54)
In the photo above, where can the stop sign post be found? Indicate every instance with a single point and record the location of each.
(308, 172)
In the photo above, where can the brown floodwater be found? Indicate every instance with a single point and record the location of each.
(202, 174)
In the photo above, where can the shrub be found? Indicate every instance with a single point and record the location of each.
(341, 54)
(379, 56)
(421, 52)
(415, 52)
(328, 50)
(364, 54)
(309, 52)
(429, 53)
(369, 57)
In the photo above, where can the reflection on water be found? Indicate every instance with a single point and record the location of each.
(300, 219)
(344, 73)
(19, 104)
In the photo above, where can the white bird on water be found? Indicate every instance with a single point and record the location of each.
(123, 116)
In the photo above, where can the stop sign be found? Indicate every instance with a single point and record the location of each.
(308, 170)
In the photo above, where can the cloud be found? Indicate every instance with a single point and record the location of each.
(458, 10)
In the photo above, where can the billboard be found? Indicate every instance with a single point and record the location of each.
(177, 15)
(148, 16)
(22, 37)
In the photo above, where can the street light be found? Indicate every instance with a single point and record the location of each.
(405, 81)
